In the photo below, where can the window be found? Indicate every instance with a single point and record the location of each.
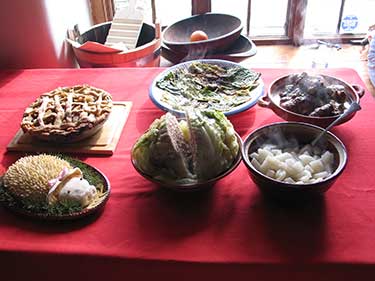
(170, 11)
(240, 10)
(339, 17)
(363, 10)
(320, 21)
(265, 21)
(166, 11)
(288, 21)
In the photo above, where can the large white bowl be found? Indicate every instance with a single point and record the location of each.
(156, 93)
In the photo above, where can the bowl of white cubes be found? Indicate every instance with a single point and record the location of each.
(282, 162)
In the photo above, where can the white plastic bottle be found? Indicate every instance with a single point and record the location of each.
(321, 57)
(371, 60)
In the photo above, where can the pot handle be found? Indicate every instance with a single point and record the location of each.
(359, 90)
(264, 101)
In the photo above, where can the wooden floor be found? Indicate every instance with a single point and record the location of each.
(286, 56)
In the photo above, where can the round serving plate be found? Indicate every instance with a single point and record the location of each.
(94, 207)
(156, 94)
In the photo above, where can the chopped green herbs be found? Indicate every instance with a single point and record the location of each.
(203, 85)
(62, 208)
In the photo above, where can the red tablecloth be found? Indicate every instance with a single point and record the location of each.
(230, 231)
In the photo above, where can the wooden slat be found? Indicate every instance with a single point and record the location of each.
(200, 6)
(296, 20)
(118, 58)
(153, 8)
(248, 19)
(121, 26)
(261, 40)
(340, 16)
(101, 10)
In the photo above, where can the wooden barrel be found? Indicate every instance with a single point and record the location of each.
(146, 54)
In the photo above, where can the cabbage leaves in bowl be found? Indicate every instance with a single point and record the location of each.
(196, 148)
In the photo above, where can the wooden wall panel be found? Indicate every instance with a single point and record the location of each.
(102, 10)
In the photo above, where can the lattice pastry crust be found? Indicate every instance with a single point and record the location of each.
(67, 111)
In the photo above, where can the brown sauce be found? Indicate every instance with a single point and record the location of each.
(313, 96)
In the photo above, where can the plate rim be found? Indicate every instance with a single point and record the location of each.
(259, 90)
(72, 216)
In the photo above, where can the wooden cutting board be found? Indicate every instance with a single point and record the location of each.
(104, 142)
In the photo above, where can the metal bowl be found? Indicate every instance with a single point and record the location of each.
(222, 30)
(272, 101)
(304, 134)
(191, 186)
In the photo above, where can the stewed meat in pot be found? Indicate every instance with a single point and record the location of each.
(313, 96)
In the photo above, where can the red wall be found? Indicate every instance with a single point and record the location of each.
(26, 32)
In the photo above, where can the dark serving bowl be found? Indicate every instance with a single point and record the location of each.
(192, 186)
(222, 30)
(272, 101)
(241, 49)
(304, 134)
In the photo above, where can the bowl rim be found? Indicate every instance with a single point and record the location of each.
(277, 80)
(294, 186)
(259, 90)
(192, 186)
(196, 43)
(223, 55)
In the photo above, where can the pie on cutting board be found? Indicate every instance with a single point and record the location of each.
(67, 114)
